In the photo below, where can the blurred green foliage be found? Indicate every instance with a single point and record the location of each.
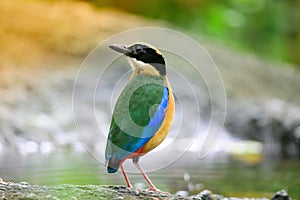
(270, 28)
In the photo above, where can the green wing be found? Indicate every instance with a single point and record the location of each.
(133, 111)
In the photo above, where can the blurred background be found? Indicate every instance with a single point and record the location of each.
(255, 44)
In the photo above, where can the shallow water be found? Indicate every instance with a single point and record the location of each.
(218, 174)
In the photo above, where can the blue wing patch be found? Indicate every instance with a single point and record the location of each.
(156, 121)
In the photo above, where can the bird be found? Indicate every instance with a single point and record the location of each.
(144, 111)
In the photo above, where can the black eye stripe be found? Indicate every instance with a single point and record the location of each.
(149, 55)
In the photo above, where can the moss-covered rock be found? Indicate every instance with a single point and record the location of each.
(23, 190)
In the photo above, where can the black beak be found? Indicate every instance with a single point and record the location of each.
(119, 48)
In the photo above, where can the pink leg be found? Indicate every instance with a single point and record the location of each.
(126, 177)
(151, 186)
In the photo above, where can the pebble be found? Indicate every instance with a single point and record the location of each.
(163, 195)
(182, 193)
(24, 183)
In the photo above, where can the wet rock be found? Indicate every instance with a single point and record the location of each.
(273, 122)
(281, 195)
(182, 193)
(207, 195)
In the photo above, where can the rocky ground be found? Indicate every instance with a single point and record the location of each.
(24, 190)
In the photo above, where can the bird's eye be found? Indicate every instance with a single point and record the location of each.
(139, 50)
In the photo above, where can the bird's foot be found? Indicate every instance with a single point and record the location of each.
(129, 185)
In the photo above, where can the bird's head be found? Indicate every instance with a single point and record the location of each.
(143, 57)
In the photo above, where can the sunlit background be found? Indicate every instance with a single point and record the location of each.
(255, 44)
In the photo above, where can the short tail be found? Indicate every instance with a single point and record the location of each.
(113, 165)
